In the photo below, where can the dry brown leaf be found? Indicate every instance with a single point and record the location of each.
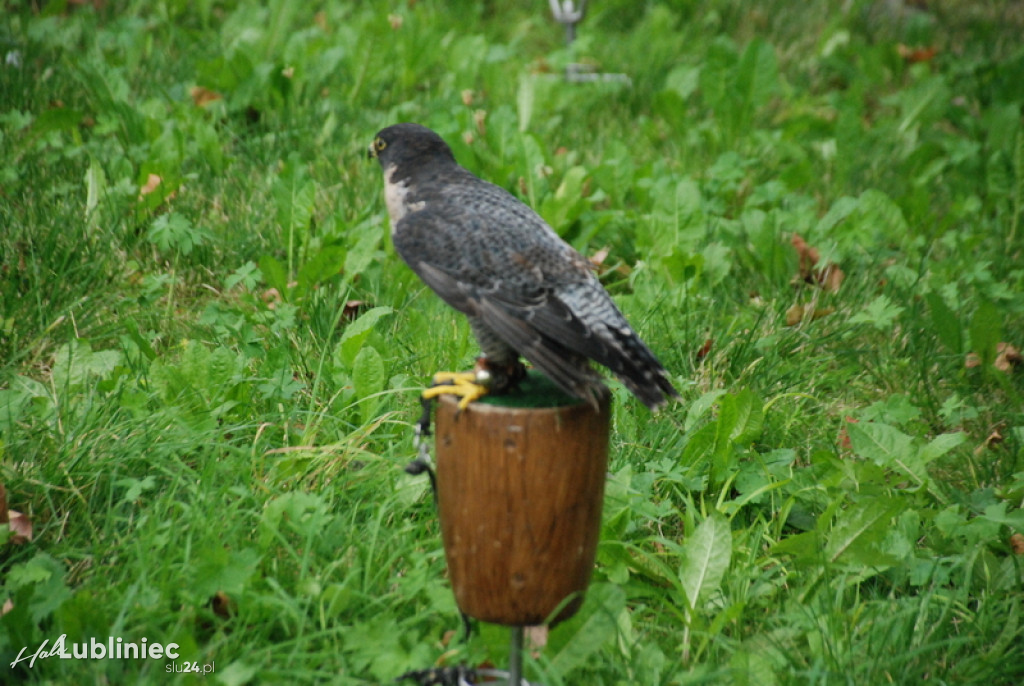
(993, 439)
(271, 297)
(703, 351)
(21, 527)
(795, 314)
(915, 55)
(844, 437)
(352, 309)
(536, 638)
(1007, 357)
(7, 607)
(820, 312)
(20, 524)
(203, 96)
(807, 254)
(395, 20)
(598, 259)
(829, 277)
(222, 605)
(152, 183)
(467, 97)
(1017, 543)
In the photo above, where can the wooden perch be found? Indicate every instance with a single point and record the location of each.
(520, 491)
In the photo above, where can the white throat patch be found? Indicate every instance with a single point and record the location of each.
(395, 193)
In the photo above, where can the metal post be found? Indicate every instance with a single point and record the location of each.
(515, 657)
(568, 13)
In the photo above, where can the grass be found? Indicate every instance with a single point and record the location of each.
(210, 355)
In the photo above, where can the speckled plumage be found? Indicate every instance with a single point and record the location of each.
(525, 290)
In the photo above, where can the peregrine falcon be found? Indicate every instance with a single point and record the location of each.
(525, 291)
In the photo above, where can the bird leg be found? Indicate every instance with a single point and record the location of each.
(486, 377)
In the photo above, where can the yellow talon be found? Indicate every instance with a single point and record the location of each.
(454, 378)
(469, 386)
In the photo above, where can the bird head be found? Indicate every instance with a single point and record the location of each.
(404, 144)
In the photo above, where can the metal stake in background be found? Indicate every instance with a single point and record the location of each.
(569, 14)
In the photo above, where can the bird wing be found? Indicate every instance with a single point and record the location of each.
(515, 288)
(501, 285)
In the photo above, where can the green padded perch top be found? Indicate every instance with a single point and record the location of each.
(536, 390)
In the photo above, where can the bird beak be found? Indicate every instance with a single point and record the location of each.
(371, 152)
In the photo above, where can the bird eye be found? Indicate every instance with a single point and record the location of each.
(379, 144)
